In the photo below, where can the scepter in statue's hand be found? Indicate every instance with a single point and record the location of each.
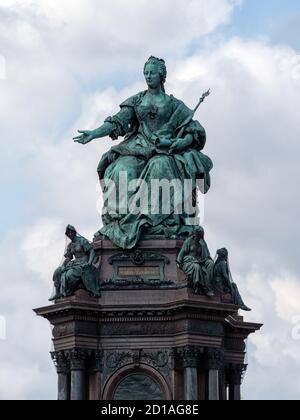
(202, 99)
(182, 127)
(191, 117)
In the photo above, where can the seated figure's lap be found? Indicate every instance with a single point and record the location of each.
(158, 166)
(161, 167)
(129, 164)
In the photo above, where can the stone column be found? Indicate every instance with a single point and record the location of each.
(95, 370)
(78, 359)
(223, 383)
(190, 356)
(63, 373)
(235, 374)
(214, 362)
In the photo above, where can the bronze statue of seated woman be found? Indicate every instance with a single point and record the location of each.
(78, 270)
(223, 280)
(162, 142)
(195, 261)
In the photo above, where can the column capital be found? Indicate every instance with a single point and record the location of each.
(78, 358)
(61, 362)
(214, 358)
(235, 373)
(188, 356)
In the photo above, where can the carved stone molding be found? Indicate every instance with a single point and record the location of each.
(157, 359)
(64, 329)
(235, 343)
(138, 257)
(114, 360)
(161, 360)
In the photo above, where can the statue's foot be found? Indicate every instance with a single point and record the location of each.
(245, 308)
(96, 295)
(98, 236)
(210, 293)
(55, 297)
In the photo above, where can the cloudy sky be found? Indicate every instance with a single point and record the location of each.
(66, 65)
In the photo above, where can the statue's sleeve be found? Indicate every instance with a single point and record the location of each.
(198, 133)
(183, 252)
(180, 119)
(122, 122)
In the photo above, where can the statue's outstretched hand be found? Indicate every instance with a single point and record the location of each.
(85, 137)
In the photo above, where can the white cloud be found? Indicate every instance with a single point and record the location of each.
(26, 382)
(98, 30)
(26, 369)
(252, 145)
(2, 68)
(2, 328)
(136, 21)
(287, 292)
(43, 247)
(57, 52)
(274, 351)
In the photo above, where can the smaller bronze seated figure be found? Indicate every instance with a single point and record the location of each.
(78, 270)
(223, 280)
(195, 261)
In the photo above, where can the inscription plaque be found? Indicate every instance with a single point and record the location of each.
(139, 271)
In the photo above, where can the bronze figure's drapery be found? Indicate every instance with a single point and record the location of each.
(78, 269)
(162, 142)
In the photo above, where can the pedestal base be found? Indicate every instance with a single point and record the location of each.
(149, 336)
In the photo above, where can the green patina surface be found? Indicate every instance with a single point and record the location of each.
(78, 269)
(162, 142)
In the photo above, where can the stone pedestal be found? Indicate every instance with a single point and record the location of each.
(149, 336)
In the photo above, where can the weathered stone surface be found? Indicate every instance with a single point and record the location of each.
(168, 334)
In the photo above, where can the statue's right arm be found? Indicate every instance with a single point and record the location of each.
(86, 136)
(114, 127)
(103, 131)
